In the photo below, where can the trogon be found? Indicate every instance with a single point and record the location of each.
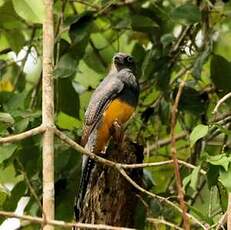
(111, 105)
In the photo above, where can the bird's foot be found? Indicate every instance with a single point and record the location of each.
(117, 132)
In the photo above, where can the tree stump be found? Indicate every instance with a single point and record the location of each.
(110, 198)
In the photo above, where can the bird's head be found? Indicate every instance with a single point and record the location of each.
(122, 60)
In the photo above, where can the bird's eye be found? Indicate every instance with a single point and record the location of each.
(129, 59)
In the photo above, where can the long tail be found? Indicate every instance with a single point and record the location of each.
(87, 166)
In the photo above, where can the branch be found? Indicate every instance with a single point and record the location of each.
(174, 157)
(120, 167)
(30, 186)
(80, 149)
(222, 221)
(159, 221)
(97, 53)
(101, 160)
(166, 141)
(121, 170)
(228, 215)
(221, 101)
(160, 163)
(48, 113)
(17, 78)
(220, 118)
(24, 135)
(60, 223)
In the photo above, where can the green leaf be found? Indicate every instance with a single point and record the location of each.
(67, 122)
(31, 162)
(1, 2)
(192, 101)
(198, 132)
(81, 27)
(200, 61)
(225, 178)
(220, 70)
(212, 175)
(66, 66)
(221, 160)
(4, 193)
(223, 195)
(203, 215)
(16, 39)
(186, 181)
(194, 177)
(6, 151)
(6, 119)
(142, 23)
(18, 191)
(9, 18)
(67, 98)
(167, 39)
(188, 12)
(31, 11)
(92, 60)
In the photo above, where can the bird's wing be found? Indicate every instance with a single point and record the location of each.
(109, 89)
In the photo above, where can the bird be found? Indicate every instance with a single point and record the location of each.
(111, 105)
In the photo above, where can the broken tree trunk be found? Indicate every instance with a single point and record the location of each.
(110, 198)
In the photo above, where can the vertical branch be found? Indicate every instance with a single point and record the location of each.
(229, 212)
(48, 113)
(174, 157)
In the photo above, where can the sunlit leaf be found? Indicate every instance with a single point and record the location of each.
(31, 11)
(198, 132)
(6, 119)
(225, 178)
(194, 177)
(6, 86)
(6, 151)
(67, 122)
(221, 160)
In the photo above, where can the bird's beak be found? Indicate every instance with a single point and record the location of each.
(118, 59)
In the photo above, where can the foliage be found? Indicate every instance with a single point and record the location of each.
(167, 38)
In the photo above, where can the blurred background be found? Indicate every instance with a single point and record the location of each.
(169, 39)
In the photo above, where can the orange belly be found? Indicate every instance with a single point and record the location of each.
(118, 111)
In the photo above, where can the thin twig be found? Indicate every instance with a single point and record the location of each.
(24, 135)
(222, 221)
(161, 221)
(122, 171)
(174, 157)
(99, 159)
(17, 78)
(60, 223)
(97, 53)
(32, 190)
(166, 141)
(119, 167)
(221, 101)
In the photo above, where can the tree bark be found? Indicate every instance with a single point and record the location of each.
(48, 114)
(110, 199)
